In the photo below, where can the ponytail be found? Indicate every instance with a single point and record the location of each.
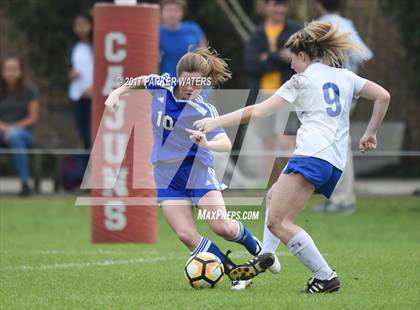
(321, 40)
(207, 62)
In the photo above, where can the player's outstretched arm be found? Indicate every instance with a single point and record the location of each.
(381, 98)
(136, 83)
(242, 116)
(220, 143)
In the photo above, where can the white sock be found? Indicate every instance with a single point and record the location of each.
(303, 247)
(270, 241)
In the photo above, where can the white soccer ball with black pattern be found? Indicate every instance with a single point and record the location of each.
(203, 270)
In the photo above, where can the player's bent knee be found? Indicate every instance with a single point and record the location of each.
(275, 220)
(189, 238)
(276, 227)
(223, 229)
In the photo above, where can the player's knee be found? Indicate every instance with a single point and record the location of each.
(276, 226)
(275, 219)
(189, 238)
(272, 227)
(223, 229)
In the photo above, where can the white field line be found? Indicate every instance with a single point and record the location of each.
(151, 201)
(111, 262)
(102, 263)
(85, 252)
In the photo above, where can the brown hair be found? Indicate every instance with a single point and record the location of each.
(206, 61)
(321, 40)
(181, 3)
(21, 83)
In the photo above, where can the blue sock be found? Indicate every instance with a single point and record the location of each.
(205, 245)
(245, 238)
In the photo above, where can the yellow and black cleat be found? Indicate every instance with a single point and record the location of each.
(252, 268)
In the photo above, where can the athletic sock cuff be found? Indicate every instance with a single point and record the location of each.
(298, 242)
(202, 245)
(239, 234)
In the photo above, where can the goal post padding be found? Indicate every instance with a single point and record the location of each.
(126, 44)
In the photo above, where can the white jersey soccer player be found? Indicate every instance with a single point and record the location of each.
(322, 94)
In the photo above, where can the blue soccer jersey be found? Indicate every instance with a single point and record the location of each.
(170, 118)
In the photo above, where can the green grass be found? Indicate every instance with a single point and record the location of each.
(376, 252)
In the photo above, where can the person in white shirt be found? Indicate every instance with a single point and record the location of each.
(81, 76)
(322, 94)
(343, 198)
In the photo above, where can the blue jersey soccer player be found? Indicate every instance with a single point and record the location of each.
(183, 165)
(322, 94)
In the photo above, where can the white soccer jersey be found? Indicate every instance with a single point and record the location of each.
(322, 97)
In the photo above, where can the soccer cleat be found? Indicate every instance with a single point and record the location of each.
(228, 264)
(315, 286)
(275, 267)
(241, 284)
(253, 267)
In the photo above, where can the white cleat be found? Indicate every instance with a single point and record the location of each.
(275, 267)
(241, 284)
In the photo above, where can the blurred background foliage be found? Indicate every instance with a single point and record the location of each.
(40, 31)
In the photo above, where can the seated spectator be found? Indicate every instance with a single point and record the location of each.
(19, 112)
(177, 37)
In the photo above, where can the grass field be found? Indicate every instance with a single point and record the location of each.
(47, 261)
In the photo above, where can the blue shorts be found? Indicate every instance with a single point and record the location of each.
(188, 181)
(323, 175)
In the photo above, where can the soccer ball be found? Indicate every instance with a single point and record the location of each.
(203, 270)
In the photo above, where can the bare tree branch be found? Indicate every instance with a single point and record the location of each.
(372, 11)
(242, 15)
(243, 33)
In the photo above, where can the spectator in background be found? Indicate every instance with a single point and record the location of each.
(81, 76)
(268, 65)
(177, 37)
(19, 112)
(343, 198)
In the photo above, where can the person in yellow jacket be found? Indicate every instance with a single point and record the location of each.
(268, 66)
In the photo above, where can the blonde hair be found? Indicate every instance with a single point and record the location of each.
(206, 61)
(321, 40)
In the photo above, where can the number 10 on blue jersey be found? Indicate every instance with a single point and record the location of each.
(166, 121)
